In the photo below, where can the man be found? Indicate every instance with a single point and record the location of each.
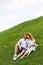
(22, 46)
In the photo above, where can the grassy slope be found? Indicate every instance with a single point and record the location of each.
(9, 38)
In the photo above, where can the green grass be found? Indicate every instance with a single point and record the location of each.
(9, 38)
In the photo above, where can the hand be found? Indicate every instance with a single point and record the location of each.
(36, 45)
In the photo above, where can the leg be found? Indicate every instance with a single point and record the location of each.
(27, 52)
(16, 49)
(20, 54)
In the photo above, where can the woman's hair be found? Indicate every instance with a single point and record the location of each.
(30, 36)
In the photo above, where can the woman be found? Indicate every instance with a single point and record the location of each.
(31, 45)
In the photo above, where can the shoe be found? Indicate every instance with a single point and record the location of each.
(21, 58)
(14, 58)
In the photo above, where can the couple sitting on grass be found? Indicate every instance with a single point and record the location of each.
(26, 45)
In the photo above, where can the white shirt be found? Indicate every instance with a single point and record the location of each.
(31, 42)
(23, 43)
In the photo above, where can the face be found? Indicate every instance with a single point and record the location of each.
(28, 36)
(25, 36)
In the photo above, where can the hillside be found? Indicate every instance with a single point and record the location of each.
(9, 38)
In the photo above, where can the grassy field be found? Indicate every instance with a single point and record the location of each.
(9, 38)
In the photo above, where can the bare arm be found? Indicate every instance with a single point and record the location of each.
(32, 45)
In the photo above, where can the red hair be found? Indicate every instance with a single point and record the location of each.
(30, 36)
